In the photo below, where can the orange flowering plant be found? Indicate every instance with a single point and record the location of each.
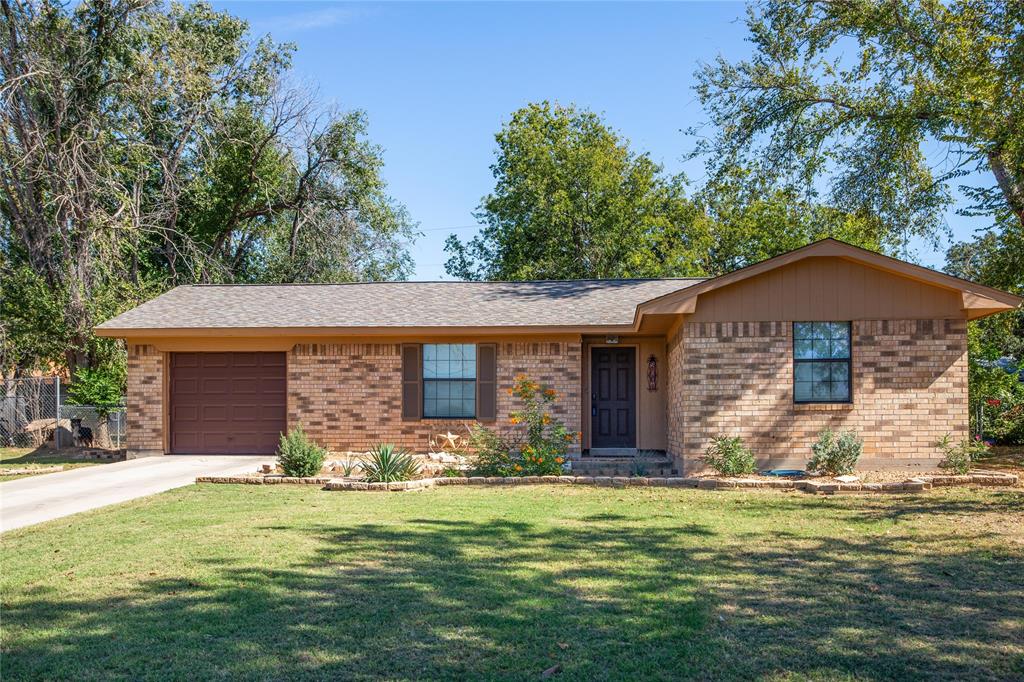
(546, 440)
(535, 445)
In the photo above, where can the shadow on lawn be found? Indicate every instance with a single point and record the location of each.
(466, 599)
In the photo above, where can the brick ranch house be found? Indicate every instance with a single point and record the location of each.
(828, 335)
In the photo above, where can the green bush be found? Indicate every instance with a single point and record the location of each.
(729, 456)
(299, 456)
(386, 464)
(959, 458)
(536, 444)
(492, 451)
(835, 455)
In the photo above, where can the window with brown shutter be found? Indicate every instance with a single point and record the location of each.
(486, 382)
(431, 371)
(412, 381)
(449, 380)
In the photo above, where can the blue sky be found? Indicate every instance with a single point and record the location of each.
(437, 80)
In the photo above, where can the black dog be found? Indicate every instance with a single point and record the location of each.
(81, 434)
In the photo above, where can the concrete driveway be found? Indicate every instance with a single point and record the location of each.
(35, 499)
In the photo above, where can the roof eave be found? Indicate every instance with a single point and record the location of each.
(394, 331)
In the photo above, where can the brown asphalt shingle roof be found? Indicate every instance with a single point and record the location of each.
(398, 304)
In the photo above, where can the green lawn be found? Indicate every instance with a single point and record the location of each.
(38, 458)
(468, 583)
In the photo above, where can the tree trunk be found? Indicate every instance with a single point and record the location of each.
(1012, 187)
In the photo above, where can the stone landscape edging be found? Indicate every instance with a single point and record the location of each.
(912, 485)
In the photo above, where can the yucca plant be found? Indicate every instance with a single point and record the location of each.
(386, 464)
(348, 465)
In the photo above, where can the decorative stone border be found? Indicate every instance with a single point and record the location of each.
(267, 480)
(913, 485)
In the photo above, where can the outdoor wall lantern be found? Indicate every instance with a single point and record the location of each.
(652, 373)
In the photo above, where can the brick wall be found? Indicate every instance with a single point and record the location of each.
(348, 396)
(145, 401)
(736, 378)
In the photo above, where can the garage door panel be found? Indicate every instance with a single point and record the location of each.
(187, 386)
(272, 384)
(267, 412)
(215, 413)
(185, 413)
(215, 385)
(224, 403)
(246, 360)
(245, 386)
(185, 361)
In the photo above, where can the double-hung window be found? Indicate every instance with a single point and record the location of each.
(449, 380)
(821, 362)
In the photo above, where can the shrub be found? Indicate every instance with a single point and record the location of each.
(959, 458)
(547, 439)
(835, 455)
(299, 456)
(492, 451)
(385, 464)
(729, 456)
(537, 443)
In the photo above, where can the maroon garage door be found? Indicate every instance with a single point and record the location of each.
(227, 403)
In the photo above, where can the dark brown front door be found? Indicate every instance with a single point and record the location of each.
(227, 403)
(613, 398)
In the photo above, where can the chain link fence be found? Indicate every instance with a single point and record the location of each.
(34, 412)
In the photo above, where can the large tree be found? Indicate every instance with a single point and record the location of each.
(883, 104)
(146, 145)
(572, 200)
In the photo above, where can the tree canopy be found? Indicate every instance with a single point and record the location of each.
(883, 106)
(572, 200)
(147, 145)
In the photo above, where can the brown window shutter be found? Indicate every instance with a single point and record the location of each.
(486, 382)
(412, 381)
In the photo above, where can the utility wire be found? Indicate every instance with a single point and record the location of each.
(450, 229)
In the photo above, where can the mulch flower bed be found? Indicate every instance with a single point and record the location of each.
(821, 486)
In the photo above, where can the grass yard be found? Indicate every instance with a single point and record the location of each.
(38, 458)
(502, 583)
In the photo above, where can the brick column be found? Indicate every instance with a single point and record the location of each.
(145, 403)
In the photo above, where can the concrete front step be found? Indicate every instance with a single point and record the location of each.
(627, 472)
(624, 466)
